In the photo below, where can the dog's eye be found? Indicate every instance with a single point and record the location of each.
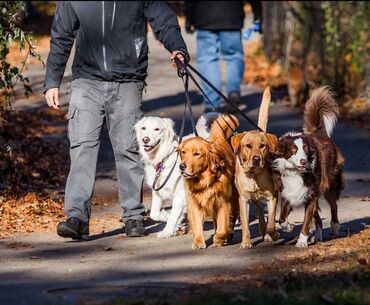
(262, 145)
(143, 128)
(156, 129)
(294, 149)
(248, 145)
(305, 148)
(196, 154)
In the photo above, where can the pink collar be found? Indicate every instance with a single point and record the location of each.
(158, 167)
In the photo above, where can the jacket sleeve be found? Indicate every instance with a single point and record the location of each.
(164, 23)
(63, 32)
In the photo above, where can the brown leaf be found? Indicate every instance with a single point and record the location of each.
(107, 249)
(363, 261)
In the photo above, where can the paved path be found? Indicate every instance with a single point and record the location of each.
(45, 269)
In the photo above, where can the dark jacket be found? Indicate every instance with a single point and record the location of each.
(111, 42)
(218, 15)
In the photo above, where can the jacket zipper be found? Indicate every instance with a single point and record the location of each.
(103, 29)
(113, 14)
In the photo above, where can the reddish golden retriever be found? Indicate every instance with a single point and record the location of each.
(208, 169)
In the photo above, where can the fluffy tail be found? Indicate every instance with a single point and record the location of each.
(321, 112)
(263, 114)
(221, 127)
(205, 122)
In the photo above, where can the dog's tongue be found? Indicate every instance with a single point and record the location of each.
(148, 148)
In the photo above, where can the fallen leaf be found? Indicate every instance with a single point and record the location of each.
(108, 249)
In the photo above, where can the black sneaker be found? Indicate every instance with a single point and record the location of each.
(234, 97)
(73, 228)
(134, 228)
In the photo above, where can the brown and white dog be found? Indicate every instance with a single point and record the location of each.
(309, 164)
(253, 175)
(208, 170)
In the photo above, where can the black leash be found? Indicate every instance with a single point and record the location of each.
(210, 102)
(184, 69)
(187, 108)
(184, 73)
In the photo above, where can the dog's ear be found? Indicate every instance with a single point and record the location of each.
(138, 124)
(235, 141)
(272, 141)
(280, 148)
(216, 159)
(169, 124)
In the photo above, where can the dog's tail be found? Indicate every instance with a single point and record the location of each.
(204, 124)
(263, 114)
(223, 126)
(321, 112)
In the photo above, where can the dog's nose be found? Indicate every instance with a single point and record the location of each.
(303, 162)
(256, 159)
(182, 166)
(146, 140)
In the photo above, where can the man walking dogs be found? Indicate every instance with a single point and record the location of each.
(108, 72)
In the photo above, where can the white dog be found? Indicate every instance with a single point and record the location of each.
(157, 145)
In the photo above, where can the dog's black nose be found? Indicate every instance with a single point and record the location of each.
(182, 166)
(303, 162)
(256, 159)
(146, 140)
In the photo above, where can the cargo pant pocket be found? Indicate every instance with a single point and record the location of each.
(73, 127)
(122, 132)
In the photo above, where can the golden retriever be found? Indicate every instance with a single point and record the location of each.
(208, 169)
(253, 175)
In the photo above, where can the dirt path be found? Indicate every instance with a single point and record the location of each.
(45, 269)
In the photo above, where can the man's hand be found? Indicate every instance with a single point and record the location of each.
(52, 97)
(180, 55)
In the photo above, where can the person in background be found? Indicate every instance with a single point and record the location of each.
(108, 72)
(218, 25)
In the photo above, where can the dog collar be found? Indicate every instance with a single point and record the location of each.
(158, 167)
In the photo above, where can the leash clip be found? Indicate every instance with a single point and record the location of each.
(181, 72)
(181, 67)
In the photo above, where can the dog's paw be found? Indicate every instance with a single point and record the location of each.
(287, 227)
(216, 245)
(335, 226)
(246, 245)
(268, 238)
(302, 241)
(195, 246)
(274, 236)
(165, 234)
(162, 216)
(318, 235)
(198, 243)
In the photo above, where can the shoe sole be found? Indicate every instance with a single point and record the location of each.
(135, 234)
(69, 233)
